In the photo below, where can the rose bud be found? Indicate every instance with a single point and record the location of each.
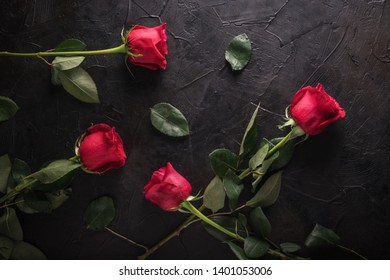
(148, 46)
(101, 149)
(313, 109)
(167, 188)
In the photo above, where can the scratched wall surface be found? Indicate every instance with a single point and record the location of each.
(339, 179)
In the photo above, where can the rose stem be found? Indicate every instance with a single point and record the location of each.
(125, 238)
(120, 49)
(352, 251)
(17, 189)
(170, 236)
(280, 144)
(187, 205)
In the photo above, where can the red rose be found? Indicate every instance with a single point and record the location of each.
(167, 188)
(101, 149)
(313, 109)
(149, 46)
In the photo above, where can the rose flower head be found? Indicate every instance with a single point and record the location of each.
(148, 46)
(167, 188)
(313, 109)
(101, 149)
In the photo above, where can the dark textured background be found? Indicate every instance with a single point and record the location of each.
(339, 179)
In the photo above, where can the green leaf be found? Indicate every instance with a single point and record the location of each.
(26, 251)
(22, 206)
(285, 154)
(5, 170)
(239, 52)
(259, 173)
(214, 195)
(59, 184)
(230, 223)
(169, 120)
(322, 237)
(268, 193)
(20, 169)
(80, 84)
(70, 45)
(250, 135)
(99, 213)
(222, 160)
(6, 246)
(55, 170)
(237, 250)
(55, 79)
(37, 201)
(64, 63)
(259, 222)
(59, 197)
(258, 158)
(8, 108)
(255, 248)
(289, 247)
(9, 224)
(233, 188)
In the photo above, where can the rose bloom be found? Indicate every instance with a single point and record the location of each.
(167, 188)
(313, 109)
(101, 149)
(149, 45)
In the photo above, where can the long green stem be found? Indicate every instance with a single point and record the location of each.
(125, 238)
(17, 190)
(280, 144)
(187, 205)
(174, 233)
(119, 49)
(352, 251)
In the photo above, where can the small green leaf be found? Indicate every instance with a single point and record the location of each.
(250, 135)
(322, 237)
(64, 63)
(55, 79)
(6, 246)
(259, 222)
(285, 153)
(233, 188)
(230, 223)
(70, 45)
(239, 52)
(59, 197)
(268, 193)
(222, 160)
(22, 206)
(214, 195)
(8, 108)
(37, 201)
(80, 84)
(169, 120)
(258, 158)
(20, 169)
(237, 250)
(99, 213)
(259, 173)
(9, 224)
(55, 170)
(26, 251)
(5, 170)
(289, 247)
(255, 248)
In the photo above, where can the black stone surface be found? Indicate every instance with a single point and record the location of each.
(339, 179)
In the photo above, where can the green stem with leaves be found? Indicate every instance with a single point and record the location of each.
(17, 190)
(273, 150)
(119, 49)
